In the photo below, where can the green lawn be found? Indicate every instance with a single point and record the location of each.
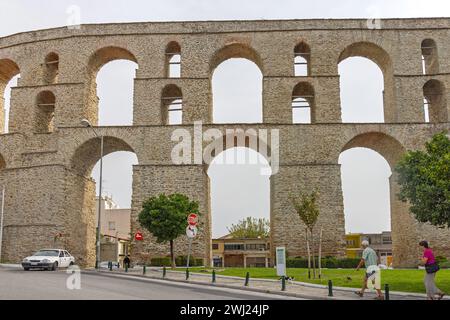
(398, 280)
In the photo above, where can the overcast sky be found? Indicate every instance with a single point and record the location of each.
(239, 191)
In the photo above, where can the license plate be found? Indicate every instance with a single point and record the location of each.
(34, 263)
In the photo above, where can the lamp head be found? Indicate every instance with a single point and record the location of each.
(86, 123)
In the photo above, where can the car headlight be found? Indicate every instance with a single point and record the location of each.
(45, 260)
(25, 260)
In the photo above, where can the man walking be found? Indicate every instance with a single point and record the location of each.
(370, 260)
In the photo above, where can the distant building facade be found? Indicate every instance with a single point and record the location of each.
(230, 252)
(380, 242)
(115, 230)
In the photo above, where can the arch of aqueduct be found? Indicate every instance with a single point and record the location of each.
(47, 157)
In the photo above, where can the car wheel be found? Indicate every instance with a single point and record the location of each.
(26, 269)
(71, 263)
(54, 266)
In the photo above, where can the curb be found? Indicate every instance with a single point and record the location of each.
(324, 287)
(249, 289)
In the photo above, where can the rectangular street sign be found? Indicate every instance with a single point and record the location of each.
(281, 261)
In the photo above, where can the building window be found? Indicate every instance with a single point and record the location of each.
(302, 55)
(255, 246)
(215, 246)
(430, 61)
(234, 247)
(173, 60)
(112, 225)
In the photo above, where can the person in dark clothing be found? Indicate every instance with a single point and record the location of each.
(126, 262)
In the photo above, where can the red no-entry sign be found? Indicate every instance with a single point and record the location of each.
(192, 219)
(138, 236)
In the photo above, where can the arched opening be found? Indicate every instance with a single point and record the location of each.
(236, 85)
(111, 72)
(240, 191)
(371, 204)
(51, 68)
(302, 58)
(435, 104)
(115, 199)
(430, 58)
(173, 60)
(9, 75)
(172, 105)
(366, 81)
(45, 112)
(303, 103)
(365, 186)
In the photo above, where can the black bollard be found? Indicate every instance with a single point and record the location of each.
(164, 272)
(214, 276)
(330, 288)
(283, 283)
(247, 278)
(386, 292)
(187, 273)
(144, 269)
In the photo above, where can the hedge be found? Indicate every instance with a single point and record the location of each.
(179, 261)
(330, 263)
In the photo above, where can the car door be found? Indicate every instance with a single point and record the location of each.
(62, 259)
(69, 258)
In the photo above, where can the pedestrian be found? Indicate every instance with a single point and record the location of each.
(370, 261)
(431, 268)
(126, 262)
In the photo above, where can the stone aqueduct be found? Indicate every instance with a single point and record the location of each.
(47, 157)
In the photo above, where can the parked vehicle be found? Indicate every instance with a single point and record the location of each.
(50, 259)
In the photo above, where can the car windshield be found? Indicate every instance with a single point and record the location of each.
(47, 253)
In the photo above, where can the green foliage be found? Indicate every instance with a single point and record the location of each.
(250, 228)
(306, 208)
(424, 177)
(330, 263)
(180, 261)
(165, 216)
(441, 259)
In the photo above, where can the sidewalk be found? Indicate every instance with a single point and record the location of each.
(293, 288)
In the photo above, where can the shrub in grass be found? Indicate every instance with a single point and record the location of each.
(329, 263)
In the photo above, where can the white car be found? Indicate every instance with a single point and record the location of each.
(50, 259)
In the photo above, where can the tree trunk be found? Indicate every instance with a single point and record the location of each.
(309, 254)
(320, 253)
(313, 254)
(172, 255)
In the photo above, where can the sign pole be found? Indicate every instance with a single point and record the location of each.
(189, 252)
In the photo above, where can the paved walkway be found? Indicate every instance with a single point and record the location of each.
(293, 288)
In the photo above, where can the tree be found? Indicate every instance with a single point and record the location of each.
(308, 211)
(166, 217)
(424, 178)
(250, 228)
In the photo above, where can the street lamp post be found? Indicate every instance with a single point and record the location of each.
(86, 123)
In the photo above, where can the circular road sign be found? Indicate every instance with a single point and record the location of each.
(191, 232)
(192, 219)
(138, 236)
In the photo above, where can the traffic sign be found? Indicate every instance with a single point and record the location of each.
(191, 232)
(192, 219)
(138, 236)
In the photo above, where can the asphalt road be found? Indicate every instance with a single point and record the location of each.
(47, 285)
